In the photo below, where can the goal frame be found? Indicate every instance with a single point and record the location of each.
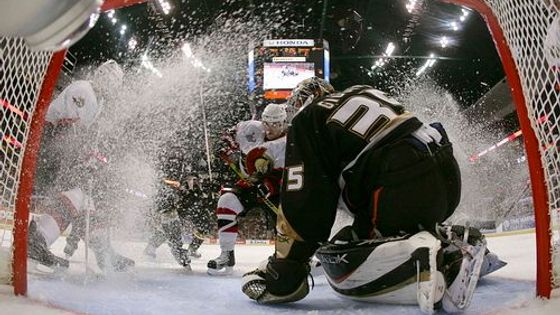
(25, 189)
(536, 170)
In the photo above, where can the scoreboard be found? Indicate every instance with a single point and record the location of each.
(276, 66)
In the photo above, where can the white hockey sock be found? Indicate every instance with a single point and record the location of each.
(48, 227)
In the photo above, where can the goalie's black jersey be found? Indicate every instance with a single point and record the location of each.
(325, 138)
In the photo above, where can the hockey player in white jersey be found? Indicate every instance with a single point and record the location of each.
(66, 187)
(262, 145)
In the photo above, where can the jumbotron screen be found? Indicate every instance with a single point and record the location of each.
(286, 75)
(276, 66)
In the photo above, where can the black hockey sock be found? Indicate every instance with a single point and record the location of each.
(172, 231)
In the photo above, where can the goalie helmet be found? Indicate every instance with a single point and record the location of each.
(274, 119)
(308, 90)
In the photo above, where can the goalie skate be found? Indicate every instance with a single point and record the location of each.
(222, 265)
(460, 291)
(491, 263)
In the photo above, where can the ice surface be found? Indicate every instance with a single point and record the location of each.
(162, 287)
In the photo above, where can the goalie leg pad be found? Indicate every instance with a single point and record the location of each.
(399, 270)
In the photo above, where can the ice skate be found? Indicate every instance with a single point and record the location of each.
(113, 261)
(38, 250)
(192, 252)
(71, 245)
(222, 265)
(121, 263)
(491, 263)
(181, 255)
(106, 257)
(463, 258)
(194, 246)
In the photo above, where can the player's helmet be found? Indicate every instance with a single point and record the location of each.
(109, 70)
(308, 90)
(274, 119)
(108, 77)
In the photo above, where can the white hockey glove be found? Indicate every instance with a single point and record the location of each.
(280, 281)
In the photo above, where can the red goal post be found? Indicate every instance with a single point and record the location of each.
(519, 29)
(521, 32)
(27, 81)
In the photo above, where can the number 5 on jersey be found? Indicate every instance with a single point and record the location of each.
(295, 178)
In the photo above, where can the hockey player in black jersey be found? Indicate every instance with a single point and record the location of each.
(399, 180)
(184, 197)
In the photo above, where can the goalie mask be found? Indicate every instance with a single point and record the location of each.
(308, 90)
(274, 119)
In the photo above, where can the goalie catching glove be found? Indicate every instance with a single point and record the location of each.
(277, 281)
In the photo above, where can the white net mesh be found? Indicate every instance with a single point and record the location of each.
(21, 76)
(532, 32)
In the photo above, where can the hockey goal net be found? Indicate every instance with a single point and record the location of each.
(527, 38)
(523, 31)
(27, 81)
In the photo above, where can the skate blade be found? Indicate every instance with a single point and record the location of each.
(220, 272)
(454, 302)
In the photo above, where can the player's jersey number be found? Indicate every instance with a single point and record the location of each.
(295, 178)
(364, 115)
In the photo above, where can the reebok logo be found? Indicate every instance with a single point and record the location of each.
(334, 260)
